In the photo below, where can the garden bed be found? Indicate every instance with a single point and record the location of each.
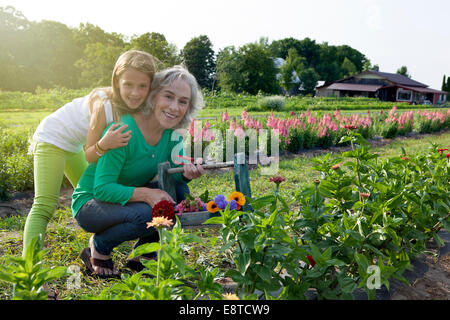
(429, 273)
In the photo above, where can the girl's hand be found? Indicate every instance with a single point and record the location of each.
(115, 138)
(150, 196)
(192, 171)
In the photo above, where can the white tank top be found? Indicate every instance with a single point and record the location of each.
(67, 127)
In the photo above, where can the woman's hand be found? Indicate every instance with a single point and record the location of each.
(150, 196)
(115, 138)
(192, 171)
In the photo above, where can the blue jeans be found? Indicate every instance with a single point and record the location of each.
(113, 224)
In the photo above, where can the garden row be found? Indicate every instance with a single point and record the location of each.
(357, 226)
(53, 99)
(306, 130)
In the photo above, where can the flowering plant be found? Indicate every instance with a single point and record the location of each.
(190, 204)
(235, 201)
(163, 209)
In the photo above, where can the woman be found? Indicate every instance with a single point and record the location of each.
(112, 199)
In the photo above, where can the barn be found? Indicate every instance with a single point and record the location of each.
(383, 85)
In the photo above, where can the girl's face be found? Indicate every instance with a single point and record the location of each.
(134, 87)
(171, 103)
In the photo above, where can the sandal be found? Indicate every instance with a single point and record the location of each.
(90, 262)
(135, 264)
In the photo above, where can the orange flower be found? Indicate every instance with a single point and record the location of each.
(159, 222)
(212, 207)
(336, 166)
(364, 195)
(238, 197)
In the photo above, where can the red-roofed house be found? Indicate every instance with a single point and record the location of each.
(382, 85)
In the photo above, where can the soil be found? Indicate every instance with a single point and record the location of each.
(430, 279)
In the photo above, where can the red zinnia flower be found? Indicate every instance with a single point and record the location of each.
(350, 127)
(448, 155)
(163, 209)
(404, 158)
(442, 150)
(277, 179)
(311, 260)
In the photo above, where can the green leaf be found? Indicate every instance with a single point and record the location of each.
(438, 240)
(55, 273)
(317, 255)
(347, 284)
(357, 205)
(204, 197)
(243, 262)
(145, 248)
(345, 139)
(394, 202)
(214, 220)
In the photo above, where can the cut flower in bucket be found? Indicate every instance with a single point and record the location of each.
(236, 201)
(163, 209)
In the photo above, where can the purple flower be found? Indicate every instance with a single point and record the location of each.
(233, 205)
(220, 201)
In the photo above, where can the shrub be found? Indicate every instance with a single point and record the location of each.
(273, 103)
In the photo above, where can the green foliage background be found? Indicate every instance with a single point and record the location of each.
(49, 54)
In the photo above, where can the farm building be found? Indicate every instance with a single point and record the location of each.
(382, 85)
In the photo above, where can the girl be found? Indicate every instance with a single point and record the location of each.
(58, 141)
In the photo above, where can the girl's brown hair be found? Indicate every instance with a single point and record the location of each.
(135, 59)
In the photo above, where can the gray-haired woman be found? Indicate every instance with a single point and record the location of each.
(113, 198)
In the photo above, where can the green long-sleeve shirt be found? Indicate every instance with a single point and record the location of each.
(120, 170)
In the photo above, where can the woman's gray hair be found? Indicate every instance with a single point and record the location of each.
(165, 78)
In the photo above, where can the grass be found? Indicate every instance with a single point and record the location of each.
(65, 239)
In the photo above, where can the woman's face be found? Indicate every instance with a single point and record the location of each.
(171, 103)
(134, 87)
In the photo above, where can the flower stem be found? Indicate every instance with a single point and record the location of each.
(159, 258)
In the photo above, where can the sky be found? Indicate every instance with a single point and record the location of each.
(391, 33)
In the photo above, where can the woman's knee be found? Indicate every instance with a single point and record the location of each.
(139, 213)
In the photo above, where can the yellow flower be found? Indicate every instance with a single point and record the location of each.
(212, 207)
(159, 222)
(238, 197)
(230, 296)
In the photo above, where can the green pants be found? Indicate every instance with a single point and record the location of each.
(50, 165)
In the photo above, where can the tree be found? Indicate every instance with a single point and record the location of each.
(198, 56)
(348, 68)
(403, 70)
(249, 69)
(13, 28)
(448, 88)
(157, 45)
(308, 78)
(97, 64)
(89, 34)
(444, 84)
(355, 57)
(288, 69)
(54, 55)
(328, 67)
(280, 48)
